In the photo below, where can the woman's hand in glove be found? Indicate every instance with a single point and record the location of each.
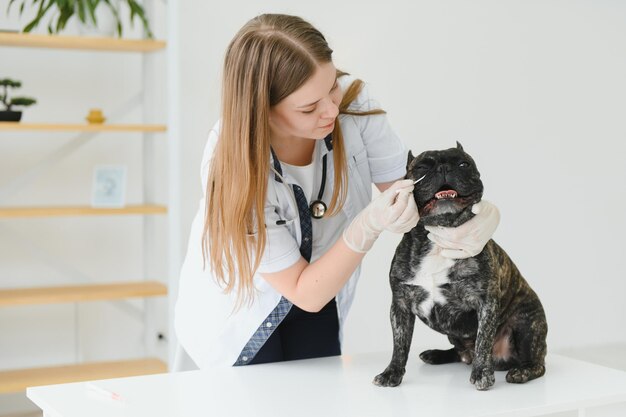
(394, 210)
(470, 238)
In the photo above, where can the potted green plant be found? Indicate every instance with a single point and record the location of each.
(9, 115)
(85, 10)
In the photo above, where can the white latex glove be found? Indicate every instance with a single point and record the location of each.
(470, 238)
(394, 209)
(409, 217)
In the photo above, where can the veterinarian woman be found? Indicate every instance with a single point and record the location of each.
(275, 248)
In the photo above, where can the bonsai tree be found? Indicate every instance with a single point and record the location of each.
(15, 101)
(84, 9)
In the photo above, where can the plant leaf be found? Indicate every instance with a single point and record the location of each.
(9, 6)
(43, 9)
(66, 14)
(6, 82)
(80, 6)
(137, 10)
(23, 101)
(91, 6)
(116, 14)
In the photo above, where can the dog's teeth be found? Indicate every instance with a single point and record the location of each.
(446, 195)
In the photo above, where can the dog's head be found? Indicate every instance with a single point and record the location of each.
(450, 187)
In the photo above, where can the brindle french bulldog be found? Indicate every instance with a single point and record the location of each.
(490, 314)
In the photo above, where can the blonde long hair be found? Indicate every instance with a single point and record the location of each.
(268, 59)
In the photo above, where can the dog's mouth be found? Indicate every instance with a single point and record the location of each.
(446, 192)
(446, 195)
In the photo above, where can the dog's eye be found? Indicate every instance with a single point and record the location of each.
(464, 164)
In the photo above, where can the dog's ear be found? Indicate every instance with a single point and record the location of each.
(458, 146)
(410, 159)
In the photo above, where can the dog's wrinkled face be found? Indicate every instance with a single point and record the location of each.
(451, 186)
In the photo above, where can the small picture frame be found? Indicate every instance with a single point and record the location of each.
(109, 186)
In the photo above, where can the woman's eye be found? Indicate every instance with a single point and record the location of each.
(308, 111)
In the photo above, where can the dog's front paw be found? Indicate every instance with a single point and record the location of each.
(482, 378)
(389, 378)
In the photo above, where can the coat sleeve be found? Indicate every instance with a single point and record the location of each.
(386, 153)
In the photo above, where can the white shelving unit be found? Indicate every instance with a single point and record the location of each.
(15, 380)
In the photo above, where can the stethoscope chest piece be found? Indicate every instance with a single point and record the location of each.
(318, 209)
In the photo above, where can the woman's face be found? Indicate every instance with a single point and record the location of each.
(311, 110)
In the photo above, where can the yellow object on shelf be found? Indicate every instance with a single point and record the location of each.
(95, 116)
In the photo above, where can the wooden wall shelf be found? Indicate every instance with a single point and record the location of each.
(80, 42)
(81, 293)
(82, 127)
(19, 380)
(58, 211)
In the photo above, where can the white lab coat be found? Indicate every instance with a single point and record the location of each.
(207, 327)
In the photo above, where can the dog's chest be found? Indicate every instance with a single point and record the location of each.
(432, 272)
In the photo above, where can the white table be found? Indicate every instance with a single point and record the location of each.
(337, 386)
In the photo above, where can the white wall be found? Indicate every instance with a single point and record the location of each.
(535, 92)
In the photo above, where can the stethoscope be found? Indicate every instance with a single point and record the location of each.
(317, 207)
